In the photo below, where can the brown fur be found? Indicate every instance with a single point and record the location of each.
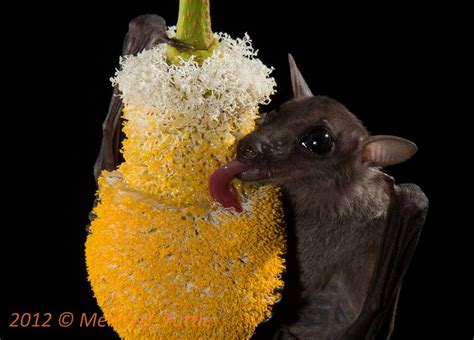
(336, 207)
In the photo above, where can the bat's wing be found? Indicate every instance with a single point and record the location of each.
(144, 32)
(405, 221)
(330, 310)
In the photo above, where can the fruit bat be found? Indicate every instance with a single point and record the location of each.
(351, 231)
(144, 32)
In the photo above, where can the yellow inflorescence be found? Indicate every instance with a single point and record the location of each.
(172, 160)
(165, 261)
(159, 272)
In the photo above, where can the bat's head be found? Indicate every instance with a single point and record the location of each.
(314, 139)
(310, 141)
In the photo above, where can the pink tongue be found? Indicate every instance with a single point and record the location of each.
(220, 188)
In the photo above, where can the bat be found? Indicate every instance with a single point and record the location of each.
(351, 231)
(349, 245)
(144, 32)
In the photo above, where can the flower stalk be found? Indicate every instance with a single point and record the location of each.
(194, 29)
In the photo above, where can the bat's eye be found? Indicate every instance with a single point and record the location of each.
(319, 140)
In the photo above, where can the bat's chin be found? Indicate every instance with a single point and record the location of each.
(253, 175)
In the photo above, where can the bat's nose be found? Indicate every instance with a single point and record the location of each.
(250, 148)
(248, 152)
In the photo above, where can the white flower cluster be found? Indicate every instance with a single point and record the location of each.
(230, 81)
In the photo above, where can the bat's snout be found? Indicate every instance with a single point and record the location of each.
(256, 152)
(254, 149)
(249, 149)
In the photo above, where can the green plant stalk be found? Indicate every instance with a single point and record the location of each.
(194, 29)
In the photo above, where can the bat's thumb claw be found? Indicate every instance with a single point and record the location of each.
(179, 45)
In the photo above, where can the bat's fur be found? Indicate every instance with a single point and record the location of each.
(335, 246)
(337, 206)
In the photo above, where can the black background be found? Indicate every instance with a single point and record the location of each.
(388, 65)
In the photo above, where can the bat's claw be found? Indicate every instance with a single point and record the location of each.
(88, 229)
(92, 217)
(179, 45)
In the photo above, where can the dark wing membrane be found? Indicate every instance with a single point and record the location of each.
(405, 221)
(144, 32)
(109, 154)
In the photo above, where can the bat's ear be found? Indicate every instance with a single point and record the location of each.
(386, 150)
(298, 84)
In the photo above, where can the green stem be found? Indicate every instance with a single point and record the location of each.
(194, 29)
(194, 23)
